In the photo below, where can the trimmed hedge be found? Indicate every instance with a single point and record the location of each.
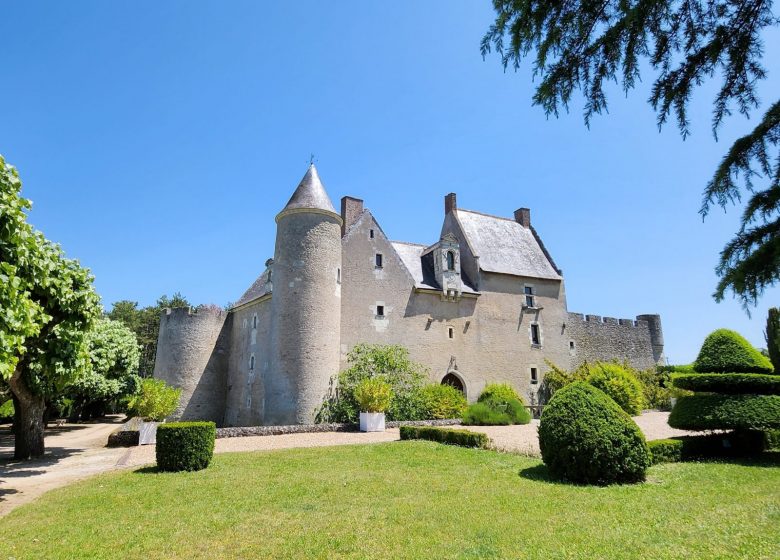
(665, 450)
(726, 351)
(496, 411)
(621, 386)
(736, 412)
(498, 391)
(676, 368)
(464, 438)
(586, 437)
(729, 383)
(442, 401)
(185, 446)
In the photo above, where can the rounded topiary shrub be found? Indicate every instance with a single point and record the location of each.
(442, 401)
(623, 387)
(185, 446)
(586, 437)
(726, 351)
(480, 414)
(704, 411)
(499, 391)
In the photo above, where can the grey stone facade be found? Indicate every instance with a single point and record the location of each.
(484, 303)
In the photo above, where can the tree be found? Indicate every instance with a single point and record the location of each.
(113, 372)
(48, 305)
(772, 335)
(145, 323)
(583, 45)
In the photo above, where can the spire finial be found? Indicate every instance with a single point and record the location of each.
(311, 159)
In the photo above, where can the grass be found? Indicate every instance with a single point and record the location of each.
(401, 500)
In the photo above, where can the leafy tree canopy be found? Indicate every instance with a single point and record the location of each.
(585, 45)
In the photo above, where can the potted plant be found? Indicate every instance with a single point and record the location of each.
(154, 402)
(374, 396)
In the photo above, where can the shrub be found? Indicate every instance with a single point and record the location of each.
(726, 351)
(665, 450)
(464, 438)
(7, 410)
(556, 379)
(392, 365)
(586, 437)
(482, 414)
(772, 438)
(442, 401)
(373, 395)
(618, 384)
(736, 412)
(155, 401)
(498, 391)
(729, 383)
(656, 388)
(680, 368)
(185, 446)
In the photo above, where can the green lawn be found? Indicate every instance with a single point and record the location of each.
(401, 500)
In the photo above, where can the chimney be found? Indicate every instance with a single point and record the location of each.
(523, 217)
(351, 209)
(450, 203)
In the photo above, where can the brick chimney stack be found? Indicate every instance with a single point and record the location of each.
(450, 203)
(351, 208)
(523, 217)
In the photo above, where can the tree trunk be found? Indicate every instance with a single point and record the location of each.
(28, 419)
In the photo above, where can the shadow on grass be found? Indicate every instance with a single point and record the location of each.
(765, 459)
(149, 469)
(540, 473)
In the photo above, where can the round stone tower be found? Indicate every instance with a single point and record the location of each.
(656, 335)
(306, 305)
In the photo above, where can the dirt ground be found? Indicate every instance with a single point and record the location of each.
(77, 451)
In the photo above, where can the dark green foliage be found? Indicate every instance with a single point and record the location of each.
(665, 450)
(442, 401)
(772, 334)
(729, 383)
(736, 412)
(742, 443)
(679, 368)
(496, 410)
(656, 388)
(772, 438)
(726, 351)
(586, 45)
(499, 391)
(620, 384)
(464, 438)
(586, 437)
(185, 446)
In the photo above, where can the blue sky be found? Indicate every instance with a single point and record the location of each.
(158, 140)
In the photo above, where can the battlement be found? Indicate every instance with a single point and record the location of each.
(208, 310)
(598, 319)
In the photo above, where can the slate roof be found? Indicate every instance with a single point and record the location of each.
(421, 267)
(504, 246)
(259, 288)
(310, 193)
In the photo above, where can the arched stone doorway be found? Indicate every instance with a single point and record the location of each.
(454, 380)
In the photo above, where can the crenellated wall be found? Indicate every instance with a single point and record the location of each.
(599, 338)
(192, 352)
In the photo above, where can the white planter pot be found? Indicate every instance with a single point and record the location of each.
(147, 433)
(372, 421)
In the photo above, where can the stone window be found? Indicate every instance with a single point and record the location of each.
(254, 321)
(371, 234)
(378, 260)
(451, 332)
(380, 310)
(450, 260)
(252, 362)
(530, 296)
(572, 348)
(534, 376)
(338, 276)
(536, 335)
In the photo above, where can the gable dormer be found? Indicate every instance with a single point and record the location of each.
(446, 266)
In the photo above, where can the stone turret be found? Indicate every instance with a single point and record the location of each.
(306, 304)
(656, 335)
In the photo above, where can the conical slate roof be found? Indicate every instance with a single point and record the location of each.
(310, 193)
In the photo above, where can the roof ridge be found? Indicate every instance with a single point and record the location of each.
(488, 215)
(409, 243)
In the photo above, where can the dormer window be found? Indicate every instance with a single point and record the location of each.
(450, 260)
(378, 260)
(530, 297)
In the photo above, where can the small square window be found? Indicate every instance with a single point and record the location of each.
(378, 260)
(534, 376)
(535, 336)
(450, 332)
(380, 310)
(571, 345)
(371, 234)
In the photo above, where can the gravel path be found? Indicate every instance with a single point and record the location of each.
(77, 451)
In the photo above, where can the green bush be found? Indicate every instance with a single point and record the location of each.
(556, 379)
(726, 351)
(464, 438)
(680, 368)
(620, 385)
(185, 446)
(735, 412)
(586, 437)
(442, 401)
(481, 414)
(155, 401)
(729, 383)
(665, 450)
(498, 391)
(373, 395)
(743, 443)
(656, 388)
(772, 438)
(7, 410)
